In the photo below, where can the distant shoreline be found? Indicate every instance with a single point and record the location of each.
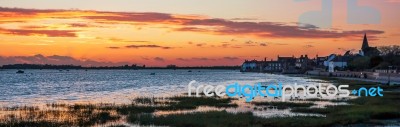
(189, 68)
(125, 67)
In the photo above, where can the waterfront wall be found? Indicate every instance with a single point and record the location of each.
(379, 77)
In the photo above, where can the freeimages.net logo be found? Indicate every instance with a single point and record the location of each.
(277, 90)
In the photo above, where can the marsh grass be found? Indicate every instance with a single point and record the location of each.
(203, 101)
(325, 100)
(98, 114)
(200, 119)
(57, 117)
(283, 105)
(225, 119)
(177, 103)
(367, 110)
(361, 110)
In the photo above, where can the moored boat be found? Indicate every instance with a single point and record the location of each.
(20, 72)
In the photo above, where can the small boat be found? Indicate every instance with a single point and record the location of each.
(190, 71)
(152, 73)
(20, 72)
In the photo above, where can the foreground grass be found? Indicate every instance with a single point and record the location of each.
(283, 105)
(178, 103)
(50, 118)
(365, 111)
(98, 114)
(361, 110)
(202, 119)
(225, 119)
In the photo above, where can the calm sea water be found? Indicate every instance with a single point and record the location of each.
(36, 87)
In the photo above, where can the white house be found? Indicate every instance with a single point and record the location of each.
(335, 61)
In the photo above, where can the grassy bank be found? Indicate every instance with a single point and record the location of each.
(354, 83)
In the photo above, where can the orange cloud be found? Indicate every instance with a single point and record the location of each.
(187, 23)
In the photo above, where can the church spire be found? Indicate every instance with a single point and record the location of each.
(365, 42)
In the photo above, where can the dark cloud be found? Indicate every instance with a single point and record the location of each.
(236, 47)
(230, 58)
(268, 29)
(263, 44)
(281, 44)
(250, 42)
(112, 47)
(145, 58)
(123, 40)
(147, 46)
(80, 25)
(48, 33)
(307, 26)
(202, 59)
(192, 29)
(182, 59)
(208, 59)
(159, 59)
(225, 45)
(137, 17)
(201, 44)
(55, 60)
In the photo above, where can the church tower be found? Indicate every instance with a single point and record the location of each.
(365, 43)
(366, 50)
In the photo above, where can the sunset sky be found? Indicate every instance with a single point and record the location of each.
(182, 32)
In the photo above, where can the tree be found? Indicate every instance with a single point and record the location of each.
(391, 54)
(390, 50)
(371, 51)
(375, 61)
(360, 63)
